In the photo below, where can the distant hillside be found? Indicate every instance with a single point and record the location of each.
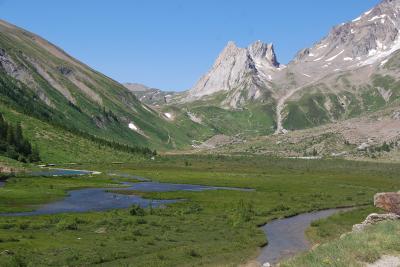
(42, 81)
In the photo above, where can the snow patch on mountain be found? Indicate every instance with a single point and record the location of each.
(377, 55)
(132, 126)
(335, 56)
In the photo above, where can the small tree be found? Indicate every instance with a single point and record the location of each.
(315, 152)
(385, 147)
(34, 157)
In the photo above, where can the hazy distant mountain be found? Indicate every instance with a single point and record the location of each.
(150, 96)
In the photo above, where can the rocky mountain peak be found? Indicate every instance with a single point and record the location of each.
(262, 51)
(229, 52)
(237, 67)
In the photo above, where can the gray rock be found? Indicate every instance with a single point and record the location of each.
(396, 115)
(237, 68)
(150, 96)
(374, 218)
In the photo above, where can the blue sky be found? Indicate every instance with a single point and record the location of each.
(169, 44)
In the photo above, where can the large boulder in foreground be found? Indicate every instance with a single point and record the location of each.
(390, 202)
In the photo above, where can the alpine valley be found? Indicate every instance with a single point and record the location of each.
(247, 95)
(258, 164)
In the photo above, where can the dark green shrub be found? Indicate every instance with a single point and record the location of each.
(136, 210)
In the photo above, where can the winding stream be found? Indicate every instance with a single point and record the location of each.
(101, 199)
(286, 237)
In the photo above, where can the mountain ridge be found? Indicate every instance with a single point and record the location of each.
(39, 79)
(334, 76)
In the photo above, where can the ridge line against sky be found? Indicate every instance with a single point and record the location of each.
(171, 44)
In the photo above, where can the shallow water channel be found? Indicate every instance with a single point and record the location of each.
(286, 237)
(100, 199)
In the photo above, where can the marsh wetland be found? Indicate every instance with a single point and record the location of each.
(211, 226)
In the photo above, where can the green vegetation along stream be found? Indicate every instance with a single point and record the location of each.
(209, 228)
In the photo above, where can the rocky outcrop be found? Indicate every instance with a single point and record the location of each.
(386, 261)
(148, 95)
(244, 73)
(389, 202)
(375, 218)
(13, 69)
(396, 115)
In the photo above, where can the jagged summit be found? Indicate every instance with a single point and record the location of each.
(262, 51)
(248, 68)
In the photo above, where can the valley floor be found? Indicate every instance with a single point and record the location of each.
(208, 228)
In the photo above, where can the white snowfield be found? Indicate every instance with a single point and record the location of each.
(377, 17)
(335, 56)
(377, 55)
(132, 126)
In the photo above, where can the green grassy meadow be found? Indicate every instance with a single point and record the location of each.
(209, 228)
(356, 249)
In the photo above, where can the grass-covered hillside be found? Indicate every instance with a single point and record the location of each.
(42, 81)
(321, 107)
(356, 249)
(205, 118)
(341, 99)
(57, 145)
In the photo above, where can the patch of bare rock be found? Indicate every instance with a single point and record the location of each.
(374, 218)
(386, 261)
(219, 140)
